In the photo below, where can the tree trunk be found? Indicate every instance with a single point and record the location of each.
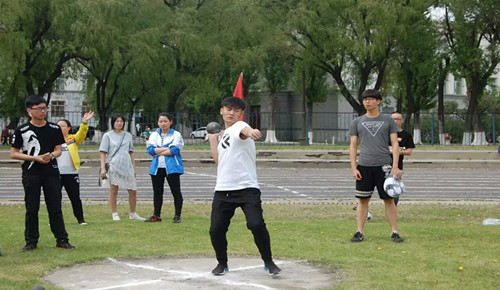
(417, 136)
(442, 139)
(473, 119)
(271, 133)
(479, 134)
(310, 122)
(443, 71)
(101, 107)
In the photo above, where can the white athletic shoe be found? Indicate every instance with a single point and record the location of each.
(115, 216)
(135, 216)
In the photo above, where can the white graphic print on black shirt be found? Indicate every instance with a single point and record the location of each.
(35, 141)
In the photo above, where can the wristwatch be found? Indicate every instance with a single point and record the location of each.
(52, 157)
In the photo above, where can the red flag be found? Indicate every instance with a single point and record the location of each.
(238, 90)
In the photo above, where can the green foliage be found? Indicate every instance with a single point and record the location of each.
(36, 45)
(141, 55)
(413, 73)
(472, 29)
(316, 86)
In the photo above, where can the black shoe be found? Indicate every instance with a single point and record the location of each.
(153, 219)
(272, 268)
(220, 270)
(358, 237)
(82, 222)
(65, 245)
(28, 247)
(177, 219)
(355, 208)
(396, 238)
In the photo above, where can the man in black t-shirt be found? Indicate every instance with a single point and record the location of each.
(38, 144)
(405, 141)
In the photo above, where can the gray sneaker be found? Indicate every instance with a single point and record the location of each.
(220, 270)
(272, 268)
(358, 237)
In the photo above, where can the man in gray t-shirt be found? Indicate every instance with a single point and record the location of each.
(373, 131)
(373, 134)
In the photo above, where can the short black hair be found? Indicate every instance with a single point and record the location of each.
(371, 93)
(164, 114)
(115, 117)
(168, 116)
(34, 100)
(233, 102)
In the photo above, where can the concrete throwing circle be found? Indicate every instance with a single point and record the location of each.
(191, 273)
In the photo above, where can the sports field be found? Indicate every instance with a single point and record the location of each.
(446, 246)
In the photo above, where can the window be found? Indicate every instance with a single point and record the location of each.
(491, 85)
(85, 107)
(355, 82)
(57, 109)
(60, 84)
(458, 86)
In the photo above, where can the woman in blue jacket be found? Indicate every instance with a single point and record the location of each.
(165, 146)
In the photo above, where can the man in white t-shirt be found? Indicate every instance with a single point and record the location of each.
(237, 185)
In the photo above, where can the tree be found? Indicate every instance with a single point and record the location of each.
(212, 42)
(346, 38)
(472, 31)
(277, 71)
(414, 70)
(36, 48)
(111, 35)
(316, 88)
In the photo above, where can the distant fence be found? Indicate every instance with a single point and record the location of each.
(326, 128)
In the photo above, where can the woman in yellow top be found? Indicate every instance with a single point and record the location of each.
(69, 163)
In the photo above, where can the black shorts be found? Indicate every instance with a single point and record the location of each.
(371, 177)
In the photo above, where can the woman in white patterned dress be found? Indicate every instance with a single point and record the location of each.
(117, 151)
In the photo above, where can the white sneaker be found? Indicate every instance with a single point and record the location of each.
(135, 216)
(115, 216)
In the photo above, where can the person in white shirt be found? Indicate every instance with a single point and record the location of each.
(237, 185)
(165, 146)
(117, 150)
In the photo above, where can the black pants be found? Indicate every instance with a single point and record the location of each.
(223, 207)
(174, 182)
(51, 185)
(71, 183)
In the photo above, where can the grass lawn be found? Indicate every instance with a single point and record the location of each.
(439, 240)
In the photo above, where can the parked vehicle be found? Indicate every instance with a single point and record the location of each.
(199, 133)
